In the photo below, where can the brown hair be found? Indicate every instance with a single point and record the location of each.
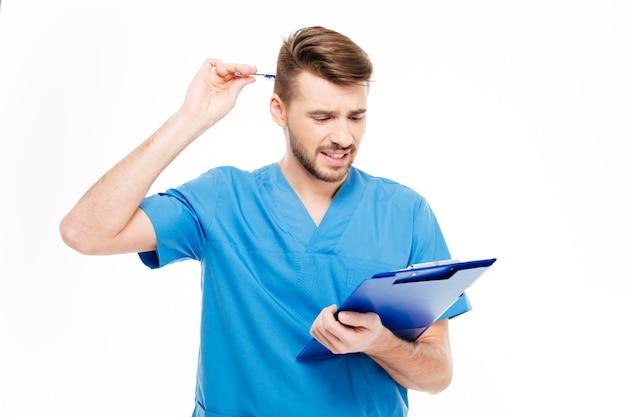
(324, 53)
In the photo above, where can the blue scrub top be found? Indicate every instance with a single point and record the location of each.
(268, 270)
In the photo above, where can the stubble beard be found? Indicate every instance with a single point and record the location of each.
(329, 174)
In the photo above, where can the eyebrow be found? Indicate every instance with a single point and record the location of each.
(320, 112)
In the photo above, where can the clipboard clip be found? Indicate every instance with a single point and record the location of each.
(430, 274)
(433, 263)
(427, 271)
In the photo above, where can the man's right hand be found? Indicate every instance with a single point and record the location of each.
(213, 93)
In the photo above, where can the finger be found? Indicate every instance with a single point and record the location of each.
(325, 322)
(212, 65)
(226, 71)
(242, 69)
(324, 327)
(323, 339)
(330, 322)
(233, 73)
(354, 319)
(329, 340)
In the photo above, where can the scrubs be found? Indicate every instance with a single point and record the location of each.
(267, 272)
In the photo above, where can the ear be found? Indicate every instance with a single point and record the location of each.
(278, 110)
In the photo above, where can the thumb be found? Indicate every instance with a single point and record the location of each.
(348, 318)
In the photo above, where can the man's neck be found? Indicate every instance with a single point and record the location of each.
(315, 194)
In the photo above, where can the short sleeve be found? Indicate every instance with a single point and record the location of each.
(430, 245)
(176, 217)
(460, 306)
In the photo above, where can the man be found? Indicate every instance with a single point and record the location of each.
(282, 245)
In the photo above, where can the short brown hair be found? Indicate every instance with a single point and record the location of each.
(323, 52)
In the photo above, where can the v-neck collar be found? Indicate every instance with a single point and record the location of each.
(290, 214)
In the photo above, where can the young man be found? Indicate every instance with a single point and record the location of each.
(282, 245)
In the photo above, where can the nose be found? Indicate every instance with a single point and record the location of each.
(342, 135)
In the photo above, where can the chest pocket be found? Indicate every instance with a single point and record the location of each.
(355, 276)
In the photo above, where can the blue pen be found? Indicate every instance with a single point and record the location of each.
(266, 76)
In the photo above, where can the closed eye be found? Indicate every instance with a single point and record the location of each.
(322, 117)
(357, 116)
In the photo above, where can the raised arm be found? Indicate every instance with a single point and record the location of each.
(107, 219)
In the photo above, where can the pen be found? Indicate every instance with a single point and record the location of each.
(266, 76)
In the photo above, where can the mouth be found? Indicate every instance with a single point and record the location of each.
(336, 154)
(336, 158)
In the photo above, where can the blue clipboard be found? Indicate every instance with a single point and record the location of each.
(408, 300)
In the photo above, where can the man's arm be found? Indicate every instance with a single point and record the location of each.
(423, 365)
(107, 219)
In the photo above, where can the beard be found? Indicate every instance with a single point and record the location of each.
(309, 162)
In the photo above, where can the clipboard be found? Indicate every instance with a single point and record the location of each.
(408, 300)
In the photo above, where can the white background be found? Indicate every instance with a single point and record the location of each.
(509, 117)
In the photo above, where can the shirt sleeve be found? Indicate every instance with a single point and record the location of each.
(177, 216)
(462, 305)
(430, 245)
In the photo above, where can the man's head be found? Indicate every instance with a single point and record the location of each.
(322, 52)
(320, 100)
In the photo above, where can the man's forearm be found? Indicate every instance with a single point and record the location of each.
(424, 365)
(107, 207)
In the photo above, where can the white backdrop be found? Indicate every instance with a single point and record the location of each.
(506, 116)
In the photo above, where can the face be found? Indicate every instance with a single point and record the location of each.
(324, 125)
